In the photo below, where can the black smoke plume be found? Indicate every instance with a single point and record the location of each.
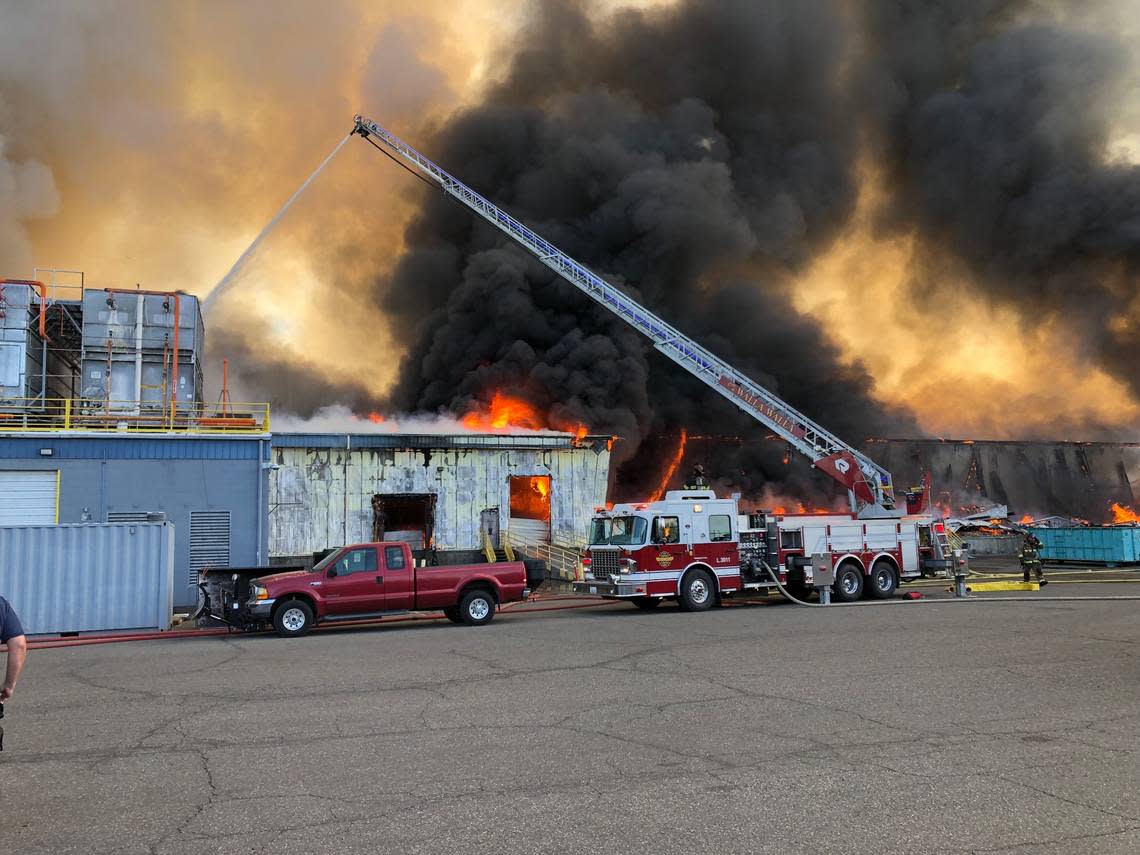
(700, 154)
(995, 135)
(697, 156)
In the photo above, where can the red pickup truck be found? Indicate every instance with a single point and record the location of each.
(369, 580)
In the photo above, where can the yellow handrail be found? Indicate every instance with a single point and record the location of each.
(21, 415)
(561, 560)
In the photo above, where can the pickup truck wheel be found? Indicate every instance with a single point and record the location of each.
(477, 607)
(647, 603)
(697, 591)
(452, 614)
(293, 618)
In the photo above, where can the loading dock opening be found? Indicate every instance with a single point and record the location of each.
(530, 497)
(530, 507)
(408, 517)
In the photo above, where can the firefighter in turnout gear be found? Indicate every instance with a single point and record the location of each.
(697, 480)
(1030, 558)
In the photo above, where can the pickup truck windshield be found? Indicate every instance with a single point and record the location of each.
(327, 561)
(618, 531)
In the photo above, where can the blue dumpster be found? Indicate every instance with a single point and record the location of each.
(1114, 544)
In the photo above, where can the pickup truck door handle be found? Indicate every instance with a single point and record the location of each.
(379, 580)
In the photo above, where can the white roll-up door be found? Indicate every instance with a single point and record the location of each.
(28, 498)
(533, 531)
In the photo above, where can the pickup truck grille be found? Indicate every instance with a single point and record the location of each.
(603, 563)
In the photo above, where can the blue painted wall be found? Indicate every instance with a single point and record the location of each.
(175, 475)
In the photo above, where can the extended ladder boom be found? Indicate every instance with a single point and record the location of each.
(864, 479)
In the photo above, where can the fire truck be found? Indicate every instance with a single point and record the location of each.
(698, 549)
(694, 546)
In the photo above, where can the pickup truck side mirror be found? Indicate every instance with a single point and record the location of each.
(332, 572)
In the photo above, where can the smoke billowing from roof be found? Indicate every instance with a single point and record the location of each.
(701, 153)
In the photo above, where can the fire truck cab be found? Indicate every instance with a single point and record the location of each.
(696, 548)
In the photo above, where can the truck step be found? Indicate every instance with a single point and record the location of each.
(362, 616)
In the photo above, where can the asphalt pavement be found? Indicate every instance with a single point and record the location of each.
(908, 727)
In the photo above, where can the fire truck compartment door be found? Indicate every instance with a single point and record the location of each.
(909, 539)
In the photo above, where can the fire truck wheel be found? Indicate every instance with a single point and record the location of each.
(647, 603)
(883, 582)
(848, 583)
(697, 591)
(452, 614)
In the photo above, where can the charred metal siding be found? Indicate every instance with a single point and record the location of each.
(1073, 478)
(321, 490)
(89, 578)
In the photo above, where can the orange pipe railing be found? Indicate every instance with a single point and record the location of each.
(35, 283)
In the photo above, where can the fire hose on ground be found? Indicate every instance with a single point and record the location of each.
(1050, 599)
(154, 635)
(566, 602)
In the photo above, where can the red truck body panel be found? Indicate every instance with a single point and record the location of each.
(382, 577)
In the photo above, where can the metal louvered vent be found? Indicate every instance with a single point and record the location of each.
(126, 516)
(209, 541)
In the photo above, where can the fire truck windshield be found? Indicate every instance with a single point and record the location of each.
(618, 531)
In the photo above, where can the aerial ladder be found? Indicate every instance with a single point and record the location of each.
(868, 485)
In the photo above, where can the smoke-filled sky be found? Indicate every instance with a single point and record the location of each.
(905, 217)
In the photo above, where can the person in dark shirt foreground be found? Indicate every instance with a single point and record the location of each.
(12, 634)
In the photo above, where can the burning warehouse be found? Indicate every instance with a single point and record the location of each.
(441, 490)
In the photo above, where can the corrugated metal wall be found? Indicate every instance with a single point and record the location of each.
(88, 578)
(1073, 478)
(103, 476)
(320, 497)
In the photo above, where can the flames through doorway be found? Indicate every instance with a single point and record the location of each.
(408, 517)
(530, 497)
(530, 507)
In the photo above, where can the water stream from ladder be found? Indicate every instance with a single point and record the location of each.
(226, 281)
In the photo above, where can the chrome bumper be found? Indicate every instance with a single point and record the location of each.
(259, 608)
(609, 589)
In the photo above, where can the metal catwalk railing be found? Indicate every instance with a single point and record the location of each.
(19, 415)
(562, 560)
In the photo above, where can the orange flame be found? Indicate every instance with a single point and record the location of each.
(504, 413)
(579, 431)
(1025, 520)
(376, 418)
(674, 462)
(1122, 514)
(530, 497)
(801, 508)
(507, 413)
